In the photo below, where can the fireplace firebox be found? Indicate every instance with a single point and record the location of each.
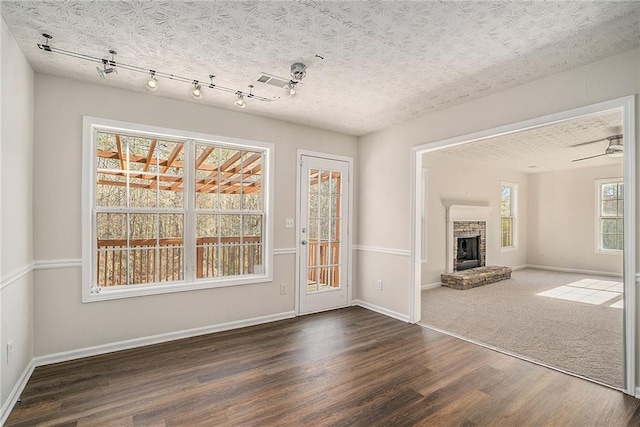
(467, 253)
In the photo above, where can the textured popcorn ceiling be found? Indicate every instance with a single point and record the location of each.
(386, 62)
(547, 148)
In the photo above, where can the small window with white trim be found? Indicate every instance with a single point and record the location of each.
(172, 211)
(508, 203)
(610, 209)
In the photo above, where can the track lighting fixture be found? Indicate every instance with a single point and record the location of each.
(196, 92)
(45, 46)
(240, 101)
(152, 84)
(291, 86)
(102, 72)
(111, 63)
(108, 66)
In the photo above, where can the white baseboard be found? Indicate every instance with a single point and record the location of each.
(380, 310)
(572, 270)
(430, 286)
(156, 339)
(637, 395)
(519, 267)
(13, 397)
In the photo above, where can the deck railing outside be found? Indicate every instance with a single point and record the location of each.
(227, 256)
(149, 263)
(324, 260)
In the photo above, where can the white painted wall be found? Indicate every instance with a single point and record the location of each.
(16, 236)
(562, 214)
(447, 186)
(62, 322)
(385, 159)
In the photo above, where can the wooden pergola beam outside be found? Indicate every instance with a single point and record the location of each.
(230, 177)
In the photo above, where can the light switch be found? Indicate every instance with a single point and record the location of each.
(288, 223)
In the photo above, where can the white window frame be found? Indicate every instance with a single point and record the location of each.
(514, 216)
(90, 292)
(598, 215)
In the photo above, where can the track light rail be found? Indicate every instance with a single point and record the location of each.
(147, 71)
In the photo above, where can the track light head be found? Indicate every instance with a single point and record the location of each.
(102, 72)
(240, 101)
(196, 92)
(152, 84)
(291, 88)
(111, 63)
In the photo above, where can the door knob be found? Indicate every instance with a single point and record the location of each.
(304, 242)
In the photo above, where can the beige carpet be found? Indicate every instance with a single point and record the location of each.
(579, 337)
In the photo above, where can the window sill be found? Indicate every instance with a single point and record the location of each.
(146, 290)
(508, 249)
(609, 252)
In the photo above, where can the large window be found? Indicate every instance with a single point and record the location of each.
(610, 215)
(508, 198)
(172, 210)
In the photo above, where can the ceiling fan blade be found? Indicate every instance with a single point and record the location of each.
(590, 157)
(587, 143)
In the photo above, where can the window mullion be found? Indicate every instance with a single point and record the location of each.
(189, 203)
(242, 251)
(128, 217)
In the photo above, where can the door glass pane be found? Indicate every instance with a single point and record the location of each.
(324, 225)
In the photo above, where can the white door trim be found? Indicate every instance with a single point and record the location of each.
(349, 243)
(627, 106)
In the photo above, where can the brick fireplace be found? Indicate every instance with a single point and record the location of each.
(469, 244)
(467, 249)
(467, 237)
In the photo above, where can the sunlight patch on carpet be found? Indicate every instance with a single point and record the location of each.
(590, 291)
(619, 304)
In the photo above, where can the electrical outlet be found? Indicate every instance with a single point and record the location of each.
(283, 289)
(379, 285)
(288, 223)
(9, 351)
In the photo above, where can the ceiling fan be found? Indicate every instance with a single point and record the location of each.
(614, 149)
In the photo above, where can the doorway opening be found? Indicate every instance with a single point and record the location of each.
(506, 254)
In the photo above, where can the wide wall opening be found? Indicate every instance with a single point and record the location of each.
(540, 255)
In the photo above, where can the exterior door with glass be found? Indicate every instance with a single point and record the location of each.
(323, 234)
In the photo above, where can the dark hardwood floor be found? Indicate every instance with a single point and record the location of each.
(348, 367)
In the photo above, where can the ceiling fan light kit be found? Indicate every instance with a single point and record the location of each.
(615, 148)
(151, 84)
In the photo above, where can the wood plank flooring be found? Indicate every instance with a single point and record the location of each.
(348, 367)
